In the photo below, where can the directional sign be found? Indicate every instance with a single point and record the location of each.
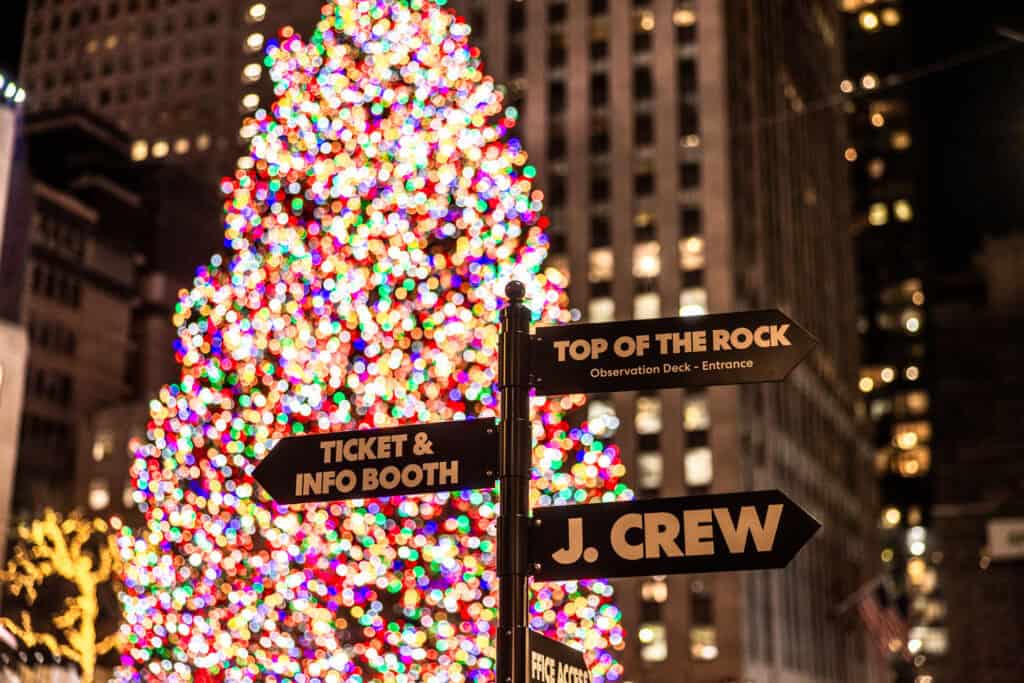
(722, 532)
(553, 662)
(374, 463)
(731, 348)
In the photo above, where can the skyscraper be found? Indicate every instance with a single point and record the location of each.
(894, 276)
(177, 75)
(689, 167)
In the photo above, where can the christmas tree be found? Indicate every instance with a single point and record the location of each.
(381, 211)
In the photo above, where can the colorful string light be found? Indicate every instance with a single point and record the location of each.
(382, 209)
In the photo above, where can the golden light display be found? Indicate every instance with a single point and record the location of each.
(80, 551)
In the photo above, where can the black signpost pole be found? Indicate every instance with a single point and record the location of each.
(514, 475)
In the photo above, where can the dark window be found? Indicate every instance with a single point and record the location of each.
(686, 34)
(641, 40)
(645, 232)
(643, 85)
(599, 140)
(556, 196)
(691, 220)
(643, 184)
(212, 17)
(478, 23)
(598, 6)
(600, 231)
(75, 19)
(687, 75)
(598, 89)
(556, 97)
(556, 50)
(598, 48)
(648, 442)
(599, 188)
(556, 145)
(556, 12)
(599, 289)
(689, 175)
(700, 608)
(693, 278)
(55, 22)
(644, 129)
(517, 16)
(688, 124)
(516, 60)
(556, 243)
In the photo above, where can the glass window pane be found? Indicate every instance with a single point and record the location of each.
(697, 466)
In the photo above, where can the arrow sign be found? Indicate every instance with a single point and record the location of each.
(374, 463)
(722, 532)
(730, 348)
(554, 662)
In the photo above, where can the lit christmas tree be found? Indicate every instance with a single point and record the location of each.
(382, 209)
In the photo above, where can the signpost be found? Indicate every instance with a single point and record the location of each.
(727, 532)
(723, 532)
(372, 463)
(553, 662)
(731, 348)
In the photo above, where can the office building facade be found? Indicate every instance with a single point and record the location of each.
(687, 170)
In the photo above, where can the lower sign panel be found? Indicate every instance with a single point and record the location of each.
(553, 662)
(725, 532)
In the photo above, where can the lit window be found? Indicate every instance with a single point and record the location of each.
(646, 259)
(654, 645)
(917, 402)
(697, 466)
(19, 96)
(650, 470)
(869, 81)
(696, 416)
(878, 214)
(909, 434)
(693, 301)
(888, 375)
(877, 120)
(648, 415)
(602, 265)
(181, 146)
(850, 154)
(868, 20)
(601, 310)
(128, 497)
(890, 16)
(876, 168)
(702, 643)
(917, 539)
(99, 494)
(915, 462)
(203, 142)
(251, 100)
(101, 448)
(647, 305)
(691, 140)
(684, 17)
(92, 46)
(601, 418)
(140, 150)
(911, 319)
(258, 12)
(846, 86)
(654, 590)
(912, 373)
(917, 298)
(900, 140)
(902, 210)
(254, 41)
(691, 253)
(647, 21)
(160, 149)
(251, 72)
(891, 517)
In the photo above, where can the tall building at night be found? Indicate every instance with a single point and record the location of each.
(178, 75)
(895, 273)
(686, 170)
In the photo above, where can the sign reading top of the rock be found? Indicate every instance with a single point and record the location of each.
(375, 463)
(722, 532)
(731, 348)
(554, 662)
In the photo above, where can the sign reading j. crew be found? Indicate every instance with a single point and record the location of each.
(375, 463)
(721, 532)
(730, 348)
